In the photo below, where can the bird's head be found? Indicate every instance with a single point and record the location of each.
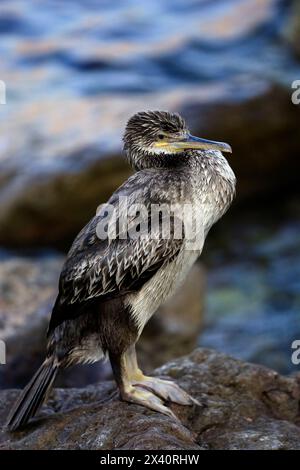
(154, 137)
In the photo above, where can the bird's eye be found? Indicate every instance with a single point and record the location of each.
(161, 136)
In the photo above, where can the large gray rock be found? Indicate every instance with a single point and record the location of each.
(244, 406)
(60, 141)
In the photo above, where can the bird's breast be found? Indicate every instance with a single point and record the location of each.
(161, 286)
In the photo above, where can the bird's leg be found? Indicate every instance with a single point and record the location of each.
(164, 389)
(126, 372)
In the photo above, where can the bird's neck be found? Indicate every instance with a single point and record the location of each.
(197, 162)
(141, 159)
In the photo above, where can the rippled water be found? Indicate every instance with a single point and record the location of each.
(93, 47)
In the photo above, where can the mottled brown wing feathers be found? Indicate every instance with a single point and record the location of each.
(96, 270)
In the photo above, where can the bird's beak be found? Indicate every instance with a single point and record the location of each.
(191, 142)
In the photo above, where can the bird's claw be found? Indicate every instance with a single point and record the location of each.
(152, 392)
(141, 396)
(167, 390)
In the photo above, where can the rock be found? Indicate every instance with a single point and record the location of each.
(66, 159)
(244, 406)
(28, 290)
(41, 207)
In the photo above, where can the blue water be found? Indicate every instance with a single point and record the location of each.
(86, 48)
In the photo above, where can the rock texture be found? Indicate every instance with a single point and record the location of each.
(244, 406)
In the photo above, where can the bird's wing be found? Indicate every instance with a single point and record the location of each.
(100, 268)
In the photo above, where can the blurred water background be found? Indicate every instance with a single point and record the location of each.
(75, 71)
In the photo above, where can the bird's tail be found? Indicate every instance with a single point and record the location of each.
(33, 395)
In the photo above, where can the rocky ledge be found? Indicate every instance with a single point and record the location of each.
(244, 406)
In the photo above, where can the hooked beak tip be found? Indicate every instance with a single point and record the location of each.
(226, 148)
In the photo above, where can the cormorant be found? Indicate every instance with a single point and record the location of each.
(110, 287)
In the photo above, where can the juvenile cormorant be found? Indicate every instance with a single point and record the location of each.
(110, 287)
